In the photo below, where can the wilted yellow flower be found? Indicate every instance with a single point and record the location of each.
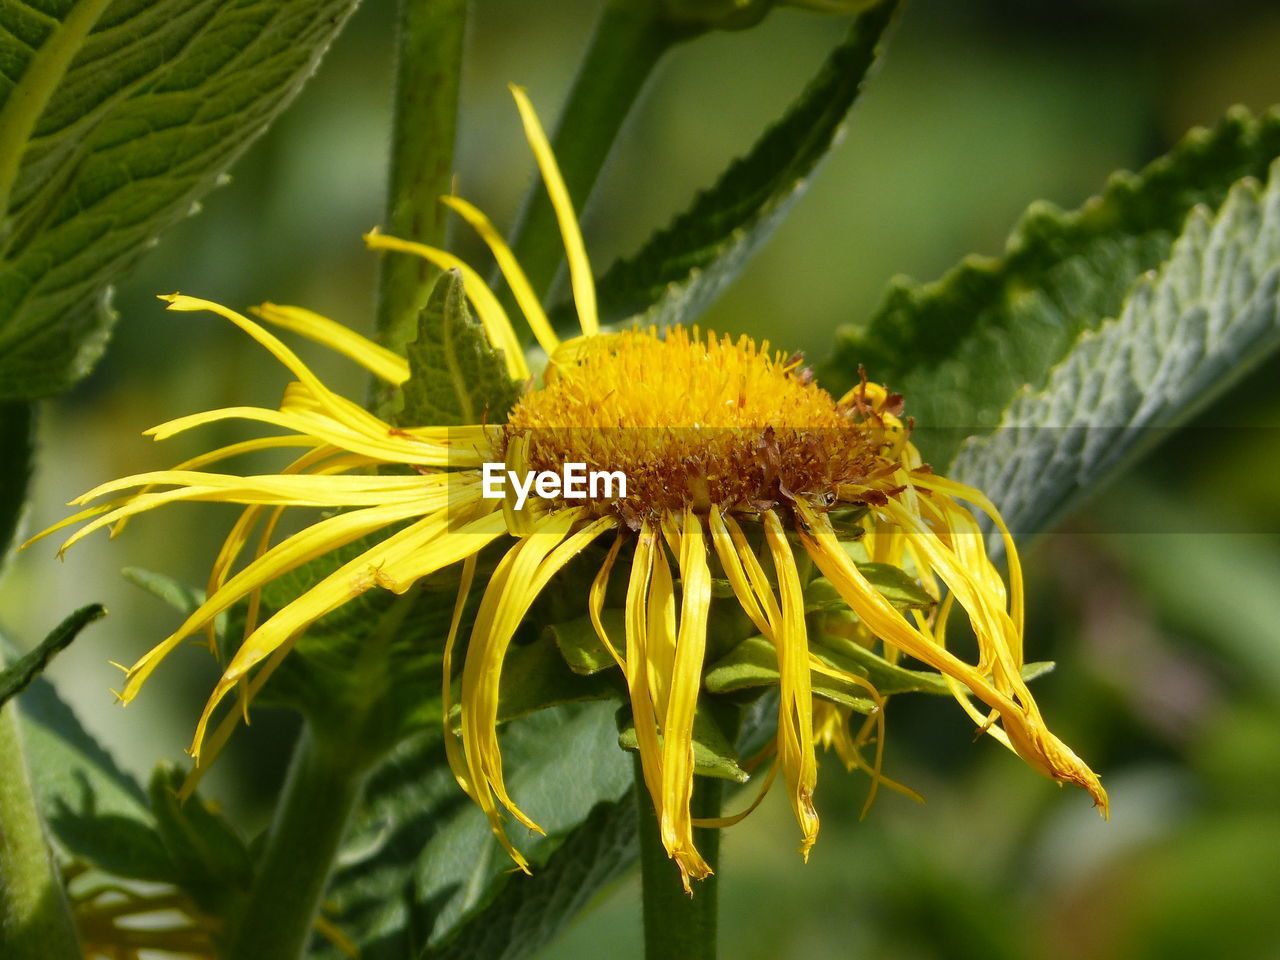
(734, 461)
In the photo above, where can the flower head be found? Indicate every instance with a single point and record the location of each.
(737, 466)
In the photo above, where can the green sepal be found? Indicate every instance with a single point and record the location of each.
(581, 647)
(713, 753)
(1037, 669)
(212, 863)
(455, 376)
(23, 670)
(846, 521)
(893, 583)
(886, 677)
(753, 663)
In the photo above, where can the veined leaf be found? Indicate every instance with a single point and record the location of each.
(115, 118)
(685, 266)
(455, 376)
(96, 811)
(423, 862)
(961, 348)
(1185, 333)
(529, 912)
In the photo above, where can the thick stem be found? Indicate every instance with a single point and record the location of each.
(35, 921)
(628, 41)
(428, 64)
(675, 924)
(320, 793)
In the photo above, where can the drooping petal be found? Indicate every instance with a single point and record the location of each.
(733, 570)
(1027, 734)
(521, 576)
(675, 818)
(795, 717)
(595, 601)
(637, 629)
(307, 544)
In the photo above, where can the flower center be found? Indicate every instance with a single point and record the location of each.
(693, 421)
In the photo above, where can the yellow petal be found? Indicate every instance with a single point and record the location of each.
(377, 359)
(312, 541)
(795, 717)
(522, 575)
(584, 288)
(511, 270)
(340, 408)
(675, 816)
(414, 552)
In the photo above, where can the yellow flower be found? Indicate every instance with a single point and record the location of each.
(734, 462)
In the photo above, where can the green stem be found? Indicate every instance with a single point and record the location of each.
(320, 794)
(629, 39)
(35, 921)
(675, 924)
(429, 62)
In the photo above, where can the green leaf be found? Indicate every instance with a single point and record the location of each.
(17, 453)
(684, 267)
(422, 861)
(115, 118)
(1185, 334)
(16, 677)
(455, 377)
(528, 914)
(96, 811)
(960, 348)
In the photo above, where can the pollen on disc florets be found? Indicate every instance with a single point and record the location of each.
(695, 420)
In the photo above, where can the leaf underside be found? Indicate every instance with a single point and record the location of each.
(962, 347)
(1211, 312)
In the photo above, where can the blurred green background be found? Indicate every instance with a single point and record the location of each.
(1160, 602)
